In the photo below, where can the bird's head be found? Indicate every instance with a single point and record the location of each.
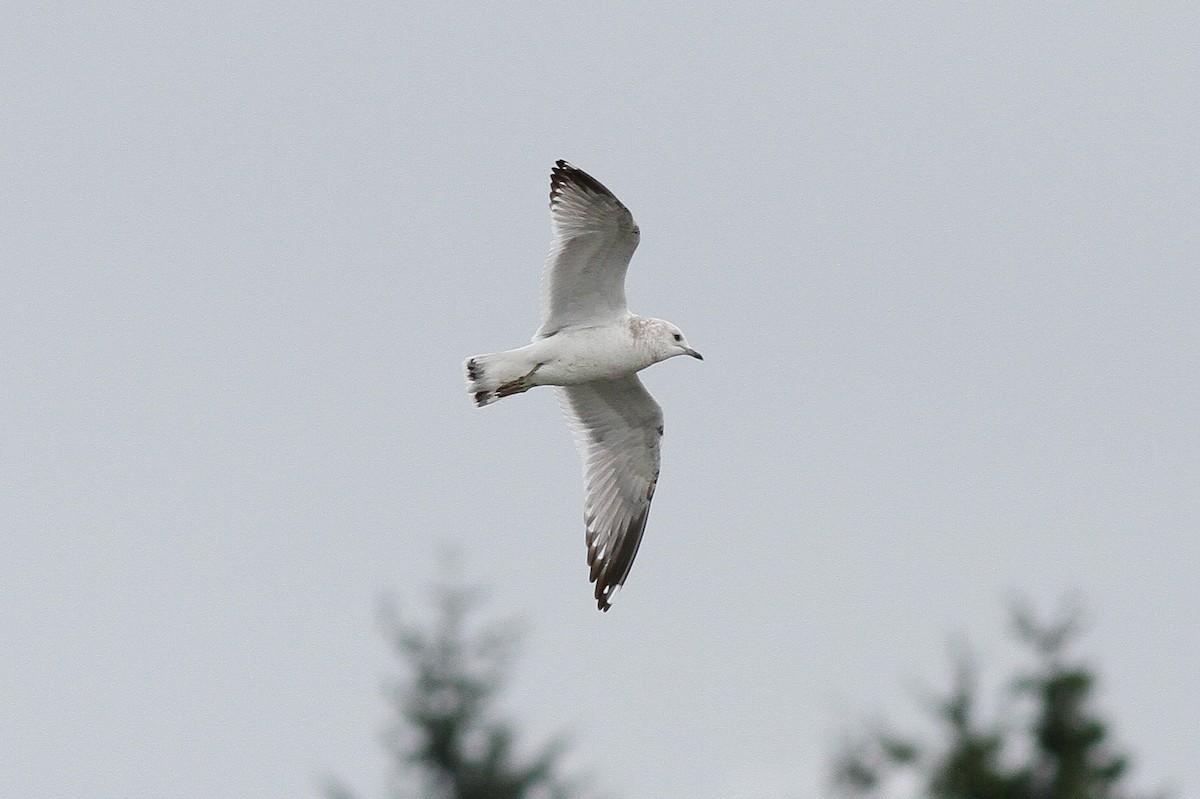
(669, 341)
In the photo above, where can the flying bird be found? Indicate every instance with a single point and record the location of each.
(591, 348)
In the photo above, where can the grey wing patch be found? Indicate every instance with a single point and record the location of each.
(617, 427)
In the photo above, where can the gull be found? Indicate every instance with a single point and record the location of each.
(591, 348)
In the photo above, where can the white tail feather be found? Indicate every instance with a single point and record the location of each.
(499, 374)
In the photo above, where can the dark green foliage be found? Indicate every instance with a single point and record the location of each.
(447, 734)
(1061, 751)
(1075, 759)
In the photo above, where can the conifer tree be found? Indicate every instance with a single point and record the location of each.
(447, 737)
(1060, 750)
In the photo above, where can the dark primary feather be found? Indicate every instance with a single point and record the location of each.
(609, 574)
(565, 173)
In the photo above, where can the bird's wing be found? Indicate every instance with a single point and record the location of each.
(594, 237)
(617, 427)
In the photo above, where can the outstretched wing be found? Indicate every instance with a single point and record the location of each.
(617, 427)
(594, 237)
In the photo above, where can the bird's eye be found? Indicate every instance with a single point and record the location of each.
(678, 337)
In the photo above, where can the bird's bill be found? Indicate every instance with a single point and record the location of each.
(694, 354)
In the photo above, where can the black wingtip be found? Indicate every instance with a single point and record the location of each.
(604, 597)
(609, 573)
(565, 173)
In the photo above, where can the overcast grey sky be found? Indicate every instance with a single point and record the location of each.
(941, 262)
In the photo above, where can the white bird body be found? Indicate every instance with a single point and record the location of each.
(591, 347)
(582, 354)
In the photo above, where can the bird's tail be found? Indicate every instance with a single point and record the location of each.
(498, 374)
